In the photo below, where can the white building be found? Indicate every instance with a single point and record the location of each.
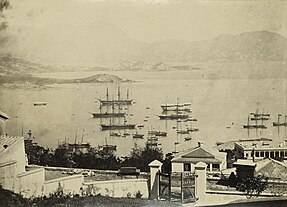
(260, 149)
(185, 161)
(31, 183)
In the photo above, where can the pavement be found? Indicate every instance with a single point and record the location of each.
(215, 199)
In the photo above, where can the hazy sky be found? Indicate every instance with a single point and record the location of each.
(149, 20)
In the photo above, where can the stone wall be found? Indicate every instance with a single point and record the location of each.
(8, 175)
(16, 151)
(31, 183)
(68, 185)
(118, 188)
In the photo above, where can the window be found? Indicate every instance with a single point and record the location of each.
(285, 153)
(276, 154)
(282, 154)
(187, 167)
(215, 167)
(272, 154)
(208, 166)
(262, 154)
(256, 154)
(246, 155)
(267, 154)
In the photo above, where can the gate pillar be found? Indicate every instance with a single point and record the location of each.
(200, 181)
(155, 167)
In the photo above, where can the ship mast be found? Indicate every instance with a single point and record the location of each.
(119, 93)
(107, 94)
(279, 118)
(82, 136)
(128, 94)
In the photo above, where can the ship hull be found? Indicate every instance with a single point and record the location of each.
(114, 127)
(107, 115)
(254, 127)
(157, 133)
(182, 116)
(117, 102)
(279, 124)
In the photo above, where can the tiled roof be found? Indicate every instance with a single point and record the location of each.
(3, 115)
(197, 154)
(6, 141)
(196, 160)
(272, 169)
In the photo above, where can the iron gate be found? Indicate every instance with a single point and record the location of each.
(177, 187)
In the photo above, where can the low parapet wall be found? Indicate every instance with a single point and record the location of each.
(118, 188)
(65, 185)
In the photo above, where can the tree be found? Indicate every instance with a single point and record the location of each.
(252, 186)
(4, 4)
(141, 157)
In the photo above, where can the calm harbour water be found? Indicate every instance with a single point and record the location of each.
(220, 105)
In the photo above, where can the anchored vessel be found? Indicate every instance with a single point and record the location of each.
(278, 123)
(173, 116)
(137, 135)
(108, 114)
(40, 103)
(157, 133)
(117, 126)
(108, 147)
(118, 101)
(176, 107)
(257, 117)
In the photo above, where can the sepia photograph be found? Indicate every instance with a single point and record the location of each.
(142, 103)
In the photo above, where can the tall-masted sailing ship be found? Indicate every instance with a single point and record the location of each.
(118, 101)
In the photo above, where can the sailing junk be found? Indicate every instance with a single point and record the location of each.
(119, 101)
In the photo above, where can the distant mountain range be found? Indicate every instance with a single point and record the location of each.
(14, 66)
(142, 65)
(106, 43)
(248, 46)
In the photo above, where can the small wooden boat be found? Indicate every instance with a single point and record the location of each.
(40, 103)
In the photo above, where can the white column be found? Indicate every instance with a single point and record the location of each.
(155, 167)
(200, 181)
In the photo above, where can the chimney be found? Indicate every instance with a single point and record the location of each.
(29, 135)
(199, 144)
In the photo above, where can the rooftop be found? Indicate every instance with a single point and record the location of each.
(262, 144)
(241, 162)
(272, 169)
(6, 141)
(197, 154)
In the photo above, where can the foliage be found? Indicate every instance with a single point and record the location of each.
(4, 4)
(141, 157)
(62, 157)
(93, 159)
(9, 199)
(38, 155)
(166, 167)
(138, 194)
(252, 186)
